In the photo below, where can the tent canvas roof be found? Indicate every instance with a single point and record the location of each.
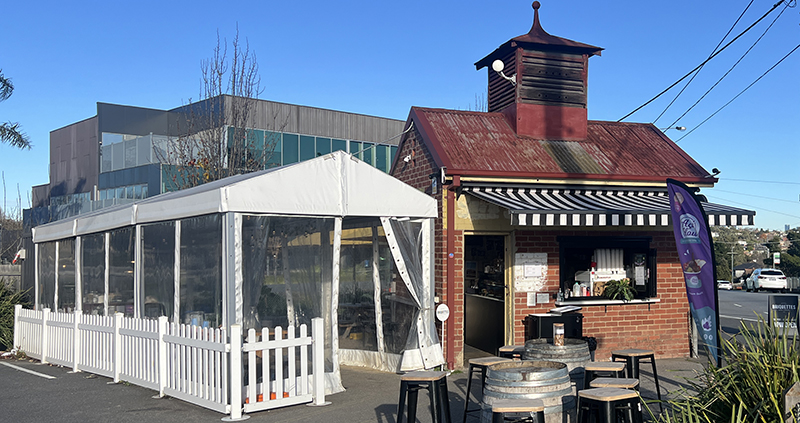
(336, 184)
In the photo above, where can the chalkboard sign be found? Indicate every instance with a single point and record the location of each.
(783, 311)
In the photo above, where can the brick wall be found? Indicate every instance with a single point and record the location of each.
(662, 327)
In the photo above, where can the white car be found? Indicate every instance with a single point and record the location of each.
(772, 279)
(724, 285)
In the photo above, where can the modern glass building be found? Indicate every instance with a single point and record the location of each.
(123, 153)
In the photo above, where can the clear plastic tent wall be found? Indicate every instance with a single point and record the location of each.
(331, 237)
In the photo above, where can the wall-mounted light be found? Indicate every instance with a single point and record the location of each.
(679, 128)
(714, 173)
(498, 67)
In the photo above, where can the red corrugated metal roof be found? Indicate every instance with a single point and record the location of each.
(484, 144)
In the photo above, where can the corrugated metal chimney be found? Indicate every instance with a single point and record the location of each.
(548, 98)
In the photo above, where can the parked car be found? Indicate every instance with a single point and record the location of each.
(724, 285)
(766, 278)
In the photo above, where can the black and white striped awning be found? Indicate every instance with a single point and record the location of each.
(596, 207)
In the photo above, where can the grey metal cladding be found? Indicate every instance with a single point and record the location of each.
(324, 123)
(118, 119)
(74, 158)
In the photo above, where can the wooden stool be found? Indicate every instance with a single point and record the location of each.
(436, 384)
(511, 351)
(606, 367)
(633, 357)
(615, 382)
(606, 404)
(532, 407)
(480, 364)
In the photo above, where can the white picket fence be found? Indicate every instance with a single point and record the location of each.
(194, 364)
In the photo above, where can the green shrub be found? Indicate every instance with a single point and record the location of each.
(8, 299)
(619, 289)
(749, 388)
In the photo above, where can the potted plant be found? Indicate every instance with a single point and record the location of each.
(619, 289)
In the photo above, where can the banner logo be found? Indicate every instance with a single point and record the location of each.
(690, 229)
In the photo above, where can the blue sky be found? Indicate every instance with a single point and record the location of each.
(381, 58)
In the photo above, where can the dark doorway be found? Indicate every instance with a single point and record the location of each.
(484, 292)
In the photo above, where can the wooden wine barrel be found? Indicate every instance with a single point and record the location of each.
(547, 381)
(574, 353)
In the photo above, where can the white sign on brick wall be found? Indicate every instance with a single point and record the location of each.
(530, 271)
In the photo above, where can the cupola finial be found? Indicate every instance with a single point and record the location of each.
(536, 28)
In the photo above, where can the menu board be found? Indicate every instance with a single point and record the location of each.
(530, 271)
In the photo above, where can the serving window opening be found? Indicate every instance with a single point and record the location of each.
(587, 264)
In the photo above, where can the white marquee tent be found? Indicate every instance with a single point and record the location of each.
(331, 237)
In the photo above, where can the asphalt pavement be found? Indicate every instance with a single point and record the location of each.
(370, 396)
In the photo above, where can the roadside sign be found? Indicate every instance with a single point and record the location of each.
(783, 311)
(776, 258)
(442, 312)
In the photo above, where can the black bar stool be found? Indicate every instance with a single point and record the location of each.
(436, 384)
(633, 357)
(615, 382)
(479, 364)
(609, 405)
(511, 351)
(593, 368)
(518, 408)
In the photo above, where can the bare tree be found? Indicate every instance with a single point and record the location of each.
(10, 227)
(213, 136)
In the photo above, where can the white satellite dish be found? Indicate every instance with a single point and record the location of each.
(498, 65)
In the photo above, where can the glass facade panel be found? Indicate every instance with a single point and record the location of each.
(93, 270)
(47, 275)
(291, 151)
(117, 156)
(355, 148)
(272, 150)
(368, 154)
(307, 149)
(158, 249)
(130, 153)
(143, 149)
(66, 275)
(381, 157)
(338, 145)
(323, 146)
(201, 271)
(393, 149)
(120, 279)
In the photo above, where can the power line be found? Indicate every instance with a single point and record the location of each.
(757, 196)
(731, 69)
(752, 206)
(704, 62)
(701, 67)
(763, 182)
(740, 93)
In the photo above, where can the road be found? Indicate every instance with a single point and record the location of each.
(737, 306)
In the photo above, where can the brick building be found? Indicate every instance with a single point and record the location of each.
(540, 207)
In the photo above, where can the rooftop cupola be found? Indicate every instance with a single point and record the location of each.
(547, 98)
